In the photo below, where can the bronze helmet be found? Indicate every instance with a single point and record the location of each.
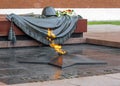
(49, 11)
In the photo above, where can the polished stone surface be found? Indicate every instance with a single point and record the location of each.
(62, 61)
(11, 71)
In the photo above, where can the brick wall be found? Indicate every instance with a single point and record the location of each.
(60, 3)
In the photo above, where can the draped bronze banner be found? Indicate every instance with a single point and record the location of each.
(37, 28)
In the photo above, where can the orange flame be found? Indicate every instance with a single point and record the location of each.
(58, 48)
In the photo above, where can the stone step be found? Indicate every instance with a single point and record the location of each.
(103, 42)
(30, 43)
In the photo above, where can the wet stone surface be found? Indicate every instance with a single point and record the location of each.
(11, 71)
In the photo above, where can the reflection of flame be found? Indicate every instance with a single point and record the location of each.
(58, 48)
(57, 74)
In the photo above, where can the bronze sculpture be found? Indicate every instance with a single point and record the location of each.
(52, 30)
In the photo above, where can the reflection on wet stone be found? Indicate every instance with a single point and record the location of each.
(15, 72)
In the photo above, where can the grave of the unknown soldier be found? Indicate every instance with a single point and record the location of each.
(53, 45)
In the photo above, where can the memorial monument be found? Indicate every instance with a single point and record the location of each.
(51, 30)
